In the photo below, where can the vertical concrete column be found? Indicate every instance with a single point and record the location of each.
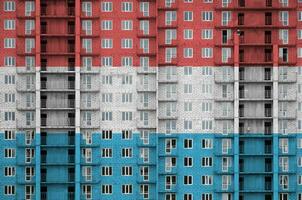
(38, 96)
(275, 122)
(37, 136)
(77, 100)
(236, 116)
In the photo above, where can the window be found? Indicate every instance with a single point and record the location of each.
(106, 61)
(106, 6)
(170, 162)
(225, 54)
(206, 161)
(226, 145)
(106, 25)
(284, 181)
(127, 43)
(9, 43)
(188, 143)
(207, 143)
(126, 134)
(126, 171)
(9, 6)
(29, 45)
(126, 116)
(87, 26)
(144, 190)
(29, 173)
(107, 116)
(87, 8)
(283, 17)
(29, 26)
(283, 35)
(207, 196)
(127, 189)
(188, 88)
(126, 152)
(226, 182)
(144, 45)
(188, 106)
(144, 154)
(9, 116)
(9, 190)
(188, 71)
(126, 80)
(126, 7)
(127, 25)
(9, 153)
(144, 26)
(87, 63)
(283, 145)
(107, 43)
(9, 24)
(170, 35)
(206, 106)
(188, 52)
(226, 163)
(299, 143)
(106, 134)
(106, 171)
(126, 97)
(9, 61)
(225, 18)
(299, 164)
(188, 197)
(207, 34)
(206, 125)
(106, 153)
(188, 180)
(9, 135)
(299, 16)
(9, 171)
(127, 61)
(188, 125)
(299, 52)
(206, 52)
(207, 71)
(188, 16)
(206, 180)
(29, 7)
(207, 16)
(188, 161)
(107, 189)
(107, 97)
(144, 8)
(170, 17)
(299, 34)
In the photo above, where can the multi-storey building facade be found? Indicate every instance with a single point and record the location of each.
(151, 99)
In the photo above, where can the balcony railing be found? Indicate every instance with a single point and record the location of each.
(70, 85)
(43, 195)
(70, 122)
(268, 112)
(71, 177)
(71, 158)
(268, 94)
(71, 196)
